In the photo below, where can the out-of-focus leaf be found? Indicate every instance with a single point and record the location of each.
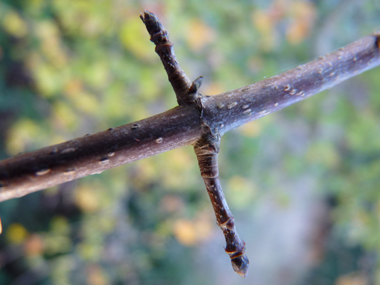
(132, 35)
(251, 129)
(189, 232)
(60, 225)
(89, 252)
(57, 244)
(16, 233)
(13, 23)
(363, 133)
(22, 132)
(34, 245)
(353, 279)
(48, 81)
(240, 191)
(303, 15)
(96, 276)
(64, 116)
(86, 198)
(324, 154)
(199, 35)
(212, 88)
(86, 102)
(184, 231)
(264, 24)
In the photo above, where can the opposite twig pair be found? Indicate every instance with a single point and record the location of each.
(206, 148)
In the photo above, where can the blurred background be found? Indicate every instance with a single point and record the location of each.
(303, 183)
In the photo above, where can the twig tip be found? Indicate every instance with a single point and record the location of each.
(146, 15)
(241, 265)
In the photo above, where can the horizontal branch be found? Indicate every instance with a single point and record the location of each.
(92, 154)
(181, 126)
(232, 109)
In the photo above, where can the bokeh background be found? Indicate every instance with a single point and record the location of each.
(303, 183)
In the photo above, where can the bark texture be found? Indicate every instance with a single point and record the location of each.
(207, 150)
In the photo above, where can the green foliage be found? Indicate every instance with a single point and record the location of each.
(75, 67)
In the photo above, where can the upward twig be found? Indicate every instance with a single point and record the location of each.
(164, 48)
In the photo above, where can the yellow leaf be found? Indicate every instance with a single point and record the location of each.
(86, 102)
(89, 252)
(189, 232)
(353, 279)
(199, 35)
(180, 158)
(171, 174)
(303, 14)
(14, 24)
(185, 232)
(35, 5)
(63, 115)
(213, 88)
(60, 225)
(150, 88)
(262, 21)
(145, 171)
(20, 134)
(132, 35)
(204, 225)
(241, 191)
(47, 80)
(46, 29)
(73, 87)
(97, 74)
(86, 198)
(16, 234)
(251, 129)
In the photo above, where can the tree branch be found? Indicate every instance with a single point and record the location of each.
(92, 154)
(53, 165)
(198, 120)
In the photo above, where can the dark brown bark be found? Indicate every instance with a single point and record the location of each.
(92, 154)
(199, 121)
(181, 126)
(235, 108)
(207, 150)
(164, 48)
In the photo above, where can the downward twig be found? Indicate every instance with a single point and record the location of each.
(207, 150)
